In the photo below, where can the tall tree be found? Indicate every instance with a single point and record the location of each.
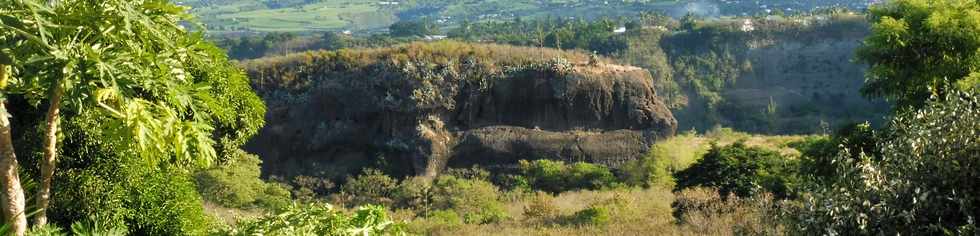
(131, 60)
(920, 48)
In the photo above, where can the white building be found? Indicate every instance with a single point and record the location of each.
(748, 26)
(435, 37)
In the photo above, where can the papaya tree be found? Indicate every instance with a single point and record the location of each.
(12, 197)
(133, 61)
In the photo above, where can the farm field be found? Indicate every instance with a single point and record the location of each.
(321, 16)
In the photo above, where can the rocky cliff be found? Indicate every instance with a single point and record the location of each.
(779, 75)
(432, 105)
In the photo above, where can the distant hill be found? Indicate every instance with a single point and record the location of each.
(244, 16)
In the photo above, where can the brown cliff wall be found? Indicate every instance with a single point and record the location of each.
(429, 105)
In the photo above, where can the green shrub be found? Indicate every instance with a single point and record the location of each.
(318, 186)
(437, 222)
(96, 228)
(237, 183)
(593, 215)
(654, 169)
(818, 153)
(603, 212)
(556, 176)
(413, 28)
(474, 172)
(44, 230)
(924, 181)
(414, 193)
(371, 187)
(514, 182)
(583, 175)
(82, 228)
(477, 201)
(275, 196)
(446, 218)
(743, 171)
(308, 188)
(166, 202)
(546, 175)
(320, 219)
(147, 201)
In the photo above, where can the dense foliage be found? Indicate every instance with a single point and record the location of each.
(652, 170)
(562, 33)
(320, 219)
(917, 175)
(922, 180)
(743, 171)
(475, 201)
(371, 187)
(820, 152)
(902, 30)
(254, 47)
(416, 28)
(556, 176)
(237, 184)
(145, 103)
(471, 200)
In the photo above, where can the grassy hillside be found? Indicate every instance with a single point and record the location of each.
(256, 15)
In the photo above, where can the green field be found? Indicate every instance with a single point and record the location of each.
(322, 16)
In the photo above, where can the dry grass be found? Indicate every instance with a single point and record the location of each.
(439, 51)
(702, 211)
(230, 216)
(645, 212)
(649, 211)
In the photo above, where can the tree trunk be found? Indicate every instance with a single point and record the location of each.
(51, 121)
(12, 198)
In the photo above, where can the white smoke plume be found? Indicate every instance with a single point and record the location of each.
(702, 8)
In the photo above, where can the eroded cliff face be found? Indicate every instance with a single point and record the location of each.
(427, 106)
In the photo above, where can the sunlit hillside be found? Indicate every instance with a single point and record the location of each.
(249, 16)
(489, 117)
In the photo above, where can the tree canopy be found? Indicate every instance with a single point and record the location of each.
(139, 90)
(920, 48)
